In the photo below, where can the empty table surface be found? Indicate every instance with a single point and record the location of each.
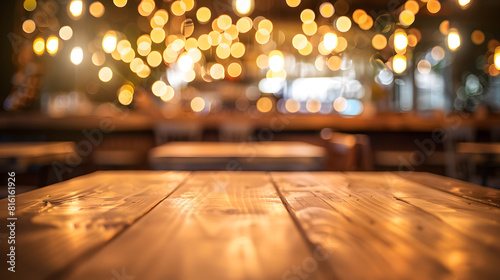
(255, 225)
(275, 155)
(19, 155)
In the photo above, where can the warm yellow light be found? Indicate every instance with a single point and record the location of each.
(109, 42)
(29, 26)
(497, 58)
(234, 69)
(159, 88)
(188, 76)
(444, 27)
(105, 74)
(400, 41)
(197, 104)
(310, 28)
(406, 18)
(98, 58)
(307, 16)
(223, 51)
(343, 24)
(342, 45)
(224, 22)
(379, 42)
(340, 104)
(39, 46)
(178, 8)
(313, 105)
(276, 61)
(463, 3)
(244, 24)
(367, 22)
(262, 36)
(169, 94)
(126, 95)
(217, 71)
(154, 58)
(307, 49)
(29, 5)
(203, 14)
(157, 35)
(243, 7)
(52, 45)
(146, 7)
(266, 25)
(204, 42)
(293, 3)
(433, 6)
(399, 63)
(334, 63)
(144, 71)
(136, 65)
(96, 9)
(76, 55)
(262, 61)
(120, 3)
(292, 105)
(477, 37)
(65, 33)
(264, 104)
(330, 41)
(412, 6)
(453, 40)
(326, 10)
(357, 15)
(215, 37)
(76, 8)
(160, 18)
(299, 41)
(437, 53)
(237, 49)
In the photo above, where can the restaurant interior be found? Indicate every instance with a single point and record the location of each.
(407, 88)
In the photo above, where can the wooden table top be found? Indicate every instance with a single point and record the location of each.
(34, 149)
(255, 225)
(19, 155)
(274, 149)
(479, 148)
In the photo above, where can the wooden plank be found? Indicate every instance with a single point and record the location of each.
(373, 227)
(218, 225)
(58, 224)
(463, 189)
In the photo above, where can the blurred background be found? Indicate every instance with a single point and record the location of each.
(380, 85)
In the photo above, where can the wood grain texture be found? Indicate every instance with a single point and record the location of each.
(463, 189)
(218, 225)
(59, 224)
(380, 226)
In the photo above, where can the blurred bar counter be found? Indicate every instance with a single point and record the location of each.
(131, 121)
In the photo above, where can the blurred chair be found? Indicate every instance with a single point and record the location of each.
(168, 132)
(348, 152)
(458, 165)
(235, 132)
